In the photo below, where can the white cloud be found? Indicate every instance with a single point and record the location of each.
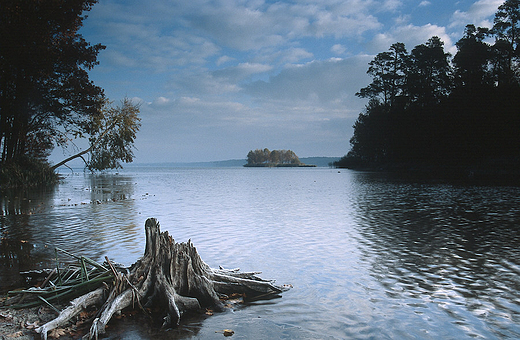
(411, 36)
(253, 25)
(338, 49)
(227, 74)
(325, 83)
(161, 101)
(235, 74)
(223, 59)
(199, 82)
(136, 100)
(294, 54)
(145, 47)
(162, 35)
(478, 14)
(392, 5)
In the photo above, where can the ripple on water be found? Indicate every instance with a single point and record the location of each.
(368, 257)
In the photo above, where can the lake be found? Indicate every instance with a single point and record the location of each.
(369, 256)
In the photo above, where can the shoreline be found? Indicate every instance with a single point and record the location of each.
(458, 174)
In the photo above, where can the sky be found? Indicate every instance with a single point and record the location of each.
(215, 79)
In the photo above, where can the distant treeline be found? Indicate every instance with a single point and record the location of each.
(428, 109)
(265, 157)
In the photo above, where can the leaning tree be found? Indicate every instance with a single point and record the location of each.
(111, 134)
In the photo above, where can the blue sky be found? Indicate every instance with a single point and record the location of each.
(216, 79)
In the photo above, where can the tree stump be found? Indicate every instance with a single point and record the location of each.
(170, 277)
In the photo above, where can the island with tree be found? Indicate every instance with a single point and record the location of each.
(276, 158)
(434, 114)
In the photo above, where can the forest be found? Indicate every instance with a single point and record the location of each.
(430, 111)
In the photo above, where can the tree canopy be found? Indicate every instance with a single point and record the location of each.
(429, 108)
(46, 96)
(275, 157)
(45, 90)
(111, 136)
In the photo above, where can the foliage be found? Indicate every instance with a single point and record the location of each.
(428, 109)
(44, 84)
(26, 171)
(115, 132)
(63, 283)
(388, 70)
(111, 136)
(272, 157)
(506, 29)
(46, 96)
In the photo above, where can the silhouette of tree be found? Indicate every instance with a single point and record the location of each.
(369, 141)
(472, 61)
(429, 78)
(388, 71)
(45, 90)
(506, 29)
(427, 112)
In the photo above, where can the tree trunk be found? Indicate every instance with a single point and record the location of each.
(65, 161)
(170, 277)
(91, 147)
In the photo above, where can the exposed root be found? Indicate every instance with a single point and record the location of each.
(170, 276)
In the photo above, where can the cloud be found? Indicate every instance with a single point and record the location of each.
(235, 74)
(211, 128)
(217, 77)
(338, 49)
(411, 36)
(315, 99)
(328, 82)
(202, 81)
(145, 47)
(161, 102)
(224, 59)
(478, 14)
(196, 82)
(163, 35)
(254, 25)
(392, 5)
(294, 54)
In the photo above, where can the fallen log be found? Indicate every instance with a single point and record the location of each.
(170, 277)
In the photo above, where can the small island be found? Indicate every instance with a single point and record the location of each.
(276, 158)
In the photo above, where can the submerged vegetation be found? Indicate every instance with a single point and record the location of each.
(428, 111)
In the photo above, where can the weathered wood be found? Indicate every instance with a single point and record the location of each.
(170, 276)
(76, 306)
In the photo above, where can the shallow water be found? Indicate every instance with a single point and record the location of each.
(368, 256)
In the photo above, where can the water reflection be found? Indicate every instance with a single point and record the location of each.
(369, 257)
(445, 250)
(90, 215)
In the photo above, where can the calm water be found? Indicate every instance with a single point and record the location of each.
(369, 257)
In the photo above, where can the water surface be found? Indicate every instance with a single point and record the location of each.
(369, 257)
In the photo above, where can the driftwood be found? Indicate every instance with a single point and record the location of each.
(170, 277)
